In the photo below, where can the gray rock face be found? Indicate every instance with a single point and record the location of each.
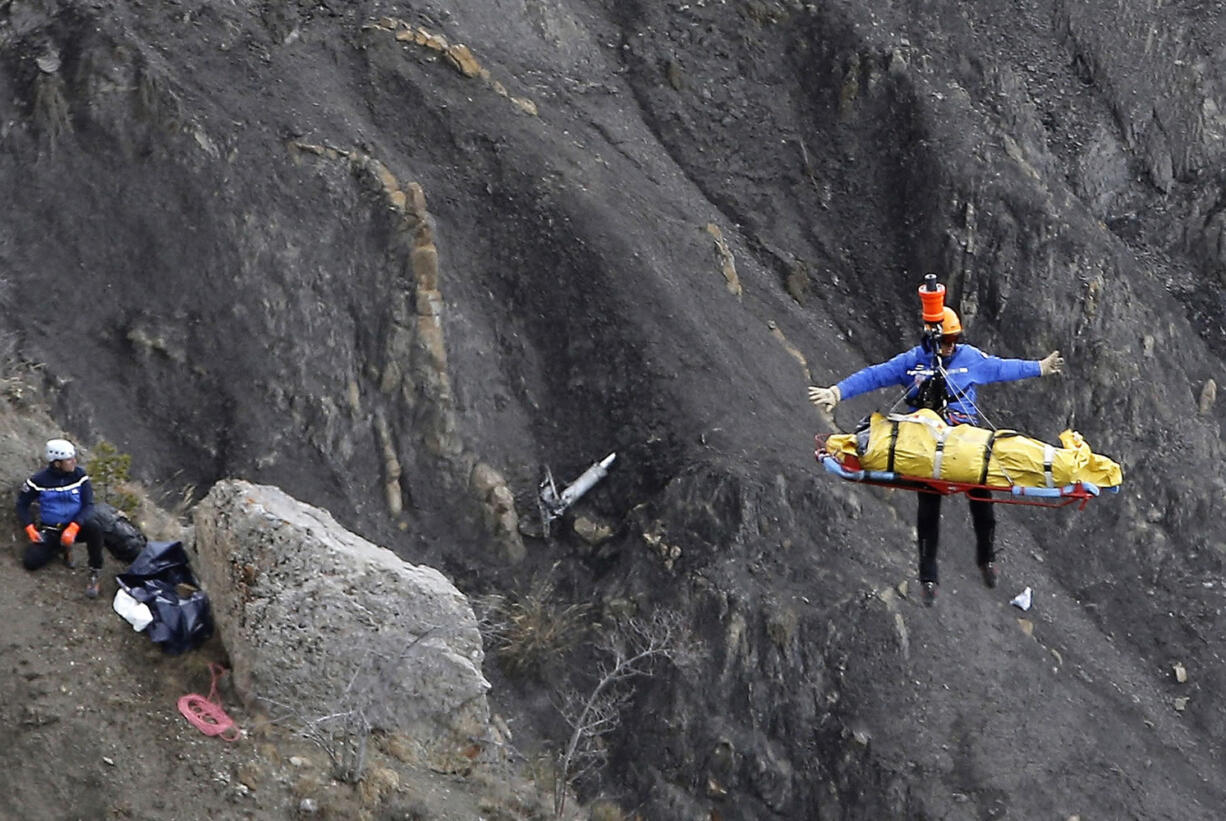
(318, 620)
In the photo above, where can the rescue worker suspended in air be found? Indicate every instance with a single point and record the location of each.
(942, 374)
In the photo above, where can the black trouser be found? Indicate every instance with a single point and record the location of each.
(40, 553)
(928, 528)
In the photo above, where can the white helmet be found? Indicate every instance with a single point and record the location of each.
(59, 449)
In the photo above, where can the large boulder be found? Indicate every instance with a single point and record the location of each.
(318, 621)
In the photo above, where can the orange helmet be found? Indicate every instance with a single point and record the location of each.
(950, 324)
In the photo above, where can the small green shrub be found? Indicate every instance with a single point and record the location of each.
(108, 470)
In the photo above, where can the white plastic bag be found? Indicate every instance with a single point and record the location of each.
(1022, 599)
(132, 611)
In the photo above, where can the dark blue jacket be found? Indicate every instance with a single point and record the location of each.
(62, 497)
(967, 368)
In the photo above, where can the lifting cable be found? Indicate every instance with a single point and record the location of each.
(958, 396)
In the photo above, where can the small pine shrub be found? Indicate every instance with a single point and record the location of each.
(108, 470)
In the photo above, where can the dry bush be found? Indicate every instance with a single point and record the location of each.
(20, 378)
(532, 631)
(629, 648)
(51, 111)
(156, 99)
(604, 810)
(345, 732)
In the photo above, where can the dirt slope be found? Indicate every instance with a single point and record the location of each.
(90, 718)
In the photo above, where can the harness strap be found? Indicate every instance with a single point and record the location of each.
(996, 436)
(893, 442)
(942, 435)
(987, 458)
(1049, 454)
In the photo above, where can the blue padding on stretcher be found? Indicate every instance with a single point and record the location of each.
(832, 466)
(1053, 492)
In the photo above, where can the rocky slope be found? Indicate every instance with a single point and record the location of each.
(393, 257)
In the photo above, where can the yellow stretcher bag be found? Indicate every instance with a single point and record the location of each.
(921, 444)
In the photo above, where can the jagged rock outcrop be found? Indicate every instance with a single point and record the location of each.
(319, 621)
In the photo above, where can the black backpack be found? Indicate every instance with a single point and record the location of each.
(162, 580)
(119, 535)
(932, 394)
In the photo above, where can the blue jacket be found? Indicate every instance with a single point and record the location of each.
(967, 368)
(62, 497)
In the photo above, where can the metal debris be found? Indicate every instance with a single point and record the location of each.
(554, 504)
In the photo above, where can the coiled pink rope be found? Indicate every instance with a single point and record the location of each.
(206, 714)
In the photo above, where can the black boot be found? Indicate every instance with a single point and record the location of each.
(984, 517)
(928, 570)
(928, 561)
(985, 552)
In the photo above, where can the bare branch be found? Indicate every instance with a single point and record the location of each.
(343, 733)
(631, 649)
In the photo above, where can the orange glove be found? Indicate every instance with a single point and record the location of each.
(33, 534)
(70, 534)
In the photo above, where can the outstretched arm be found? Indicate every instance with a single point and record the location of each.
(890, 372)
(989, 368)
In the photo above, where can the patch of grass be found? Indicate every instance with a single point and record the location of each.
(156, 99)
(530, 632)
(797, 282)
(604, 810)
(51, 112)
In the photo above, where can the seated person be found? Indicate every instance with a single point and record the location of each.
(65, 500)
